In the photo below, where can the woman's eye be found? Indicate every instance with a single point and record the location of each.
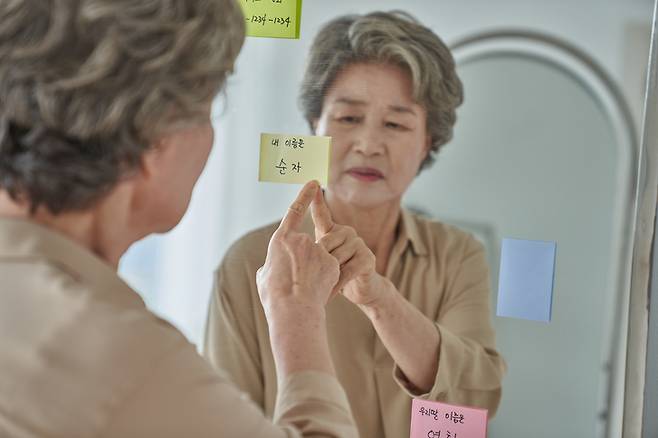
(348, 119)
(396, 126)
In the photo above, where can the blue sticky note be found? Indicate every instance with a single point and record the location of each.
(525, 285)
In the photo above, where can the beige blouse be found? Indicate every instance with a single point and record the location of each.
(81, 356)
(438, 268)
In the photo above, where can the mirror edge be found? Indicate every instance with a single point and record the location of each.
(638, 363)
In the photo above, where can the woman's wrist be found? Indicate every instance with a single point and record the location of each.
(292, 322)
(298, 337)
(290, 309)
(376, 308)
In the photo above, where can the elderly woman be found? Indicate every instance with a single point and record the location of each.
(413, 318)
(104, 130)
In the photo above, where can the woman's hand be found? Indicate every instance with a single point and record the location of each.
(298, 273)
(359, 280)
(294, 285)
(396, 321)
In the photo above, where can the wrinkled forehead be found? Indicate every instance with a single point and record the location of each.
(364, 86)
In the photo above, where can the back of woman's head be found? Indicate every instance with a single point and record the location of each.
(87, 85)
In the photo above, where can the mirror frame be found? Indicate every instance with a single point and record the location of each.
(642, 369)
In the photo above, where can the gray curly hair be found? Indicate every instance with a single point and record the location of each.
(87, 85)
(387, 37)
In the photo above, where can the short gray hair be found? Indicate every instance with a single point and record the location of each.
(86, 85)
(387, 37)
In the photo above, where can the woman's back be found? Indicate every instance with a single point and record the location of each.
(65, 320)
(81, 356)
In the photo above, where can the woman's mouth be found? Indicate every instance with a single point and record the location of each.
(367, 174)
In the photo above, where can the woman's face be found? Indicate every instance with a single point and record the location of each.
(379, 134)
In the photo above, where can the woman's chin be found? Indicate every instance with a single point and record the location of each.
(167, 219)
(363, 197)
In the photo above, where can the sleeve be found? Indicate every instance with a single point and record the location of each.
(184, 397)
(231, 338)
(470, 370)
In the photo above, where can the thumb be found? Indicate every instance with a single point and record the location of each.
(321, 215)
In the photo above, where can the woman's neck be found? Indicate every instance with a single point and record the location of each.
(377, 226)
(96, 229)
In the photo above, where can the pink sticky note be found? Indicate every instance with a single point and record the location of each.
(430, 419)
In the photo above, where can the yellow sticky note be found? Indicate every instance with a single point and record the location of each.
(272, 18)
(294, 159)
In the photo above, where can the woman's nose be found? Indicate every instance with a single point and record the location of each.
(370, 141)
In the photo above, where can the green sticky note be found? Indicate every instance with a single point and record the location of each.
(294, 159)
(272, 18)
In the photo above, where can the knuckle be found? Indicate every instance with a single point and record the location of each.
(279, 236)
(296, 207)
(304, 239)
(330, 260)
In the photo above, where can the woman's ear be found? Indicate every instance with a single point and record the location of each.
(148, 162)
(314, 125)
(150, 159)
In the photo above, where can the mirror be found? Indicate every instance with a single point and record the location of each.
(546, 147)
